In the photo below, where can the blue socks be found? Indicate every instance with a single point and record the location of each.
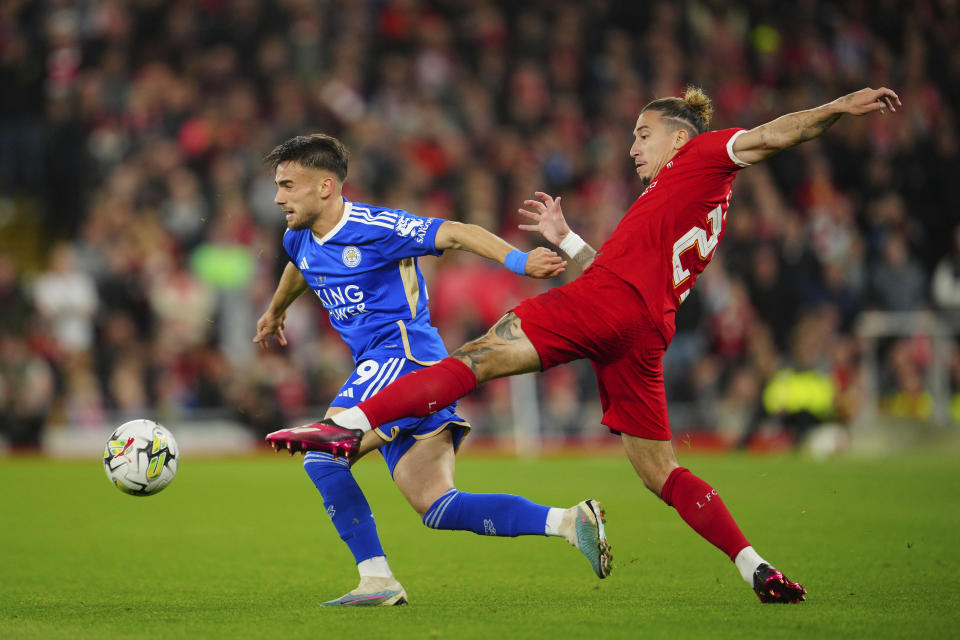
(491, 514)
(346, 505)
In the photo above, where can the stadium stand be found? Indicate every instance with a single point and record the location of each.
(139, 242)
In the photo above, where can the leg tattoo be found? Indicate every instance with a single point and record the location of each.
(503, 351)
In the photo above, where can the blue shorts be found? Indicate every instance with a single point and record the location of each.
(375, 372)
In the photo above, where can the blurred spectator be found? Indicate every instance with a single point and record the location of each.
(562, 412)
(66, 299)
(907, 396)
(945, 289)
(897, 281)
(802, 394)
(183, 306)
(184, 211)
(14, 303)
(955, 383)
(770, 293)
(22, 76)
(26, 392)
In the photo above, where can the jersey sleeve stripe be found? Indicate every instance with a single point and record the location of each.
(366, 213)
(733, 156)
(371, 223)
(370, 218)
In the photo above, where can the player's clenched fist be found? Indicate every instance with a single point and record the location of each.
(544, 263)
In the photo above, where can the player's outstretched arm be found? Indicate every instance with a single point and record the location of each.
(291, 285)
(551, 224)
(539, 263)
(792, 129)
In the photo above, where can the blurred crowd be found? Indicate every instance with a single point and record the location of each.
(131, 139)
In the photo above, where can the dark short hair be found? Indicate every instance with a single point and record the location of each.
(316, 151)
(693, 111)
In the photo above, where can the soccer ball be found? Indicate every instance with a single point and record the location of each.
(141, 457)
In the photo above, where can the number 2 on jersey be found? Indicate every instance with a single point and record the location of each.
(696, 237)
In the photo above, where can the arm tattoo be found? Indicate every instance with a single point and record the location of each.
(815, 124)
(794, 128)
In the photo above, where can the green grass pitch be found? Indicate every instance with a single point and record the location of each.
(242, 548)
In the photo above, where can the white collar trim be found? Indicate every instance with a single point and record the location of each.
(347, 209)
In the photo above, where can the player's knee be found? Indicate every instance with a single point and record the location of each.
(421, 506)
(423, 500)
(654, 477)
(433, 504)
(652, 484)
(653, 461)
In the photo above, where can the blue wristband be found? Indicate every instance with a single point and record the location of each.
(516, 261)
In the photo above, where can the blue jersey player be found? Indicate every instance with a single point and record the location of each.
(361, 262)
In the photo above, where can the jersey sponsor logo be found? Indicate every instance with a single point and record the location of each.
(413, 228)
(303, 263)
(351, 256)
(649, 188)
(422, 233)
(342, 302)
(407, 227)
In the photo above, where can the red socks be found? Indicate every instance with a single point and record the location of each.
(420, 393)
(701, 508)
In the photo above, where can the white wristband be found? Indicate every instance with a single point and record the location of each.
(572, 244)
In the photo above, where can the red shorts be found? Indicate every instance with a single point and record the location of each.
(600, 317)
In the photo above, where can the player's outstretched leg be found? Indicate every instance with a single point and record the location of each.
(325, 436)
(772, 586)
(701, 507)
(506, 515)
(583, 527)
(350, 513)
(372, 592)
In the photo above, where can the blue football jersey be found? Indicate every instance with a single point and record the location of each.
(366, 275)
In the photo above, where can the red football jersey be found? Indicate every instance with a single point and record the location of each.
(671, 231)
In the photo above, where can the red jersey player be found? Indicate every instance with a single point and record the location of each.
(620, 313)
